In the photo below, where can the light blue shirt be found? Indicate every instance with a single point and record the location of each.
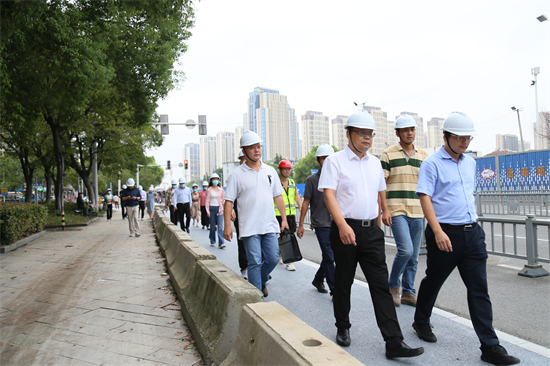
(181, 195)
(451, 186)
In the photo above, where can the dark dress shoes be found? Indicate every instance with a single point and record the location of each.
(402, 350)
(320, 286)
(343, 338)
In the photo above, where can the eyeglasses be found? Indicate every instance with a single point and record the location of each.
(463, 138)
(364, 133)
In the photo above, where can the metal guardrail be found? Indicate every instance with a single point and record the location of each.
(495, 203)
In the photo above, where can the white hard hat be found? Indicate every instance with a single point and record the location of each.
(360, 119)
(124, 186)
(241, 154)
(204, 183)
(404, 121)
(108, 189)
(250, 138)
(151, 188)
(324, 150)
(140, 187)
(460, 124)
(181, 180)
(130, 182)
(195, 185)
(214, 175)
(174, 181)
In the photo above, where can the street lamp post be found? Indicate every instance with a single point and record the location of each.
(535, 71)
(520, 133)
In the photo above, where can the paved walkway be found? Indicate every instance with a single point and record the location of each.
(91, 296)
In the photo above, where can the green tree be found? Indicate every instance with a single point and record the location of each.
(303, 168)
(11, 172)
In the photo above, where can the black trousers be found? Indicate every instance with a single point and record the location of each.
(173, 215)
(204, 217)
(109, 211)
(243, 262)
(371, 256)
(183, 208)
(123, 210)
(470, 256)
(291, 221)
(141, 208)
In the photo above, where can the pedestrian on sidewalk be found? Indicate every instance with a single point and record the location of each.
(446, 187)
(182, 202)
(256, 185)
(195, 206)
(168, 201)
(116, 200)
(205, 220)
(321, 221)
(401, 164)
(243, 263)
(80, 204)
(215, 198)
(109, 204)
(142, 201)
(130, 197)
(122, 203)
(151, 194)
(353, 183)
(291, 198)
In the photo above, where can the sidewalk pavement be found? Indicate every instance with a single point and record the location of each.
(457, 342)
(91, 296)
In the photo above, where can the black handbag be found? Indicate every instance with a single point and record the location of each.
(288, 245)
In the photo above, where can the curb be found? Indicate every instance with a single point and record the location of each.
(20, 243)
(73, 225)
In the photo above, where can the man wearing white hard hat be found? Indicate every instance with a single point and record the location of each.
(168, 201)
(446, 187)
(131, 196)
(142, 201)
(401, 164)
(354, 188)
(321, 221)
(109, 204)
(205, 220)
(124, 187)
(182, 204)
(256, 185)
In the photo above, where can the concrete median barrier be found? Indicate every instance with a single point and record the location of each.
(271, 335)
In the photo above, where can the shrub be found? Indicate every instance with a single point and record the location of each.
(19, 220)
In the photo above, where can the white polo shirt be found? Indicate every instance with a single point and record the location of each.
(356, 182)
(254, 192)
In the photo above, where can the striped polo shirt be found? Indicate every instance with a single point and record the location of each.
(402, 179)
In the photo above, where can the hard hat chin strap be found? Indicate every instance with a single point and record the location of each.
(447, 137)
(248, 157)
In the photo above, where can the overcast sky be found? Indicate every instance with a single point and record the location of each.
(428, 57)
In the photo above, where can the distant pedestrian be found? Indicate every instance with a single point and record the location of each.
(122, 203)
(116, 200)
(151, 194)
(109, 204)
(142, 200)
(195, 206)
(256, 185)
(205, 220)
(321, 221)
(353, 184)
(215, 198)
(446, 187)
(291, 198)
(401, 164)
(131, 196)
(80, 204)
(182, 202)
(169, 203)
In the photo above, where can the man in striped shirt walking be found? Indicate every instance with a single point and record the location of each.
(401, 165)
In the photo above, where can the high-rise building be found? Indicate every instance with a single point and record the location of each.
(339, 139)
(435, 134)
(384, 130)
(225, 148)
(207, 156)
(270, 116)
(542, 133)
(314, 131)
(507, 142)
(420, 143)
(238, 134)
(191, 154)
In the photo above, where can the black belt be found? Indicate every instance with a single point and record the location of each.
(363, 223)
(466, 227)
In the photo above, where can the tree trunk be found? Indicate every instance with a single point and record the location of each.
(60, 161)
(28, 170)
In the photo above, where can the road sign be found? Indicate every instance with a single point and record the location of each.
(4, 191)
(40, 189)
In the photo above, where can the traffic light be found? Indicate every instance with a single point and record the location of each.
(168, 165)
(186, 164)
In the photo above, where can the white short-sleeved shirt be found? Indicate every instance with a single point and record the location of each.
(254, 192)
(356, 182)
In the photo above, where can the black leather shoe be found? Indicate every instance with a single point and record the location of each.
(424, 332)
(497, 355)
(320, 286)
(264, 291)
(343, 338)
(402, 350)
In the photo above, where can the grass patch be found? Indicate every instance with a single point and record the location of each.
(53, 219)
